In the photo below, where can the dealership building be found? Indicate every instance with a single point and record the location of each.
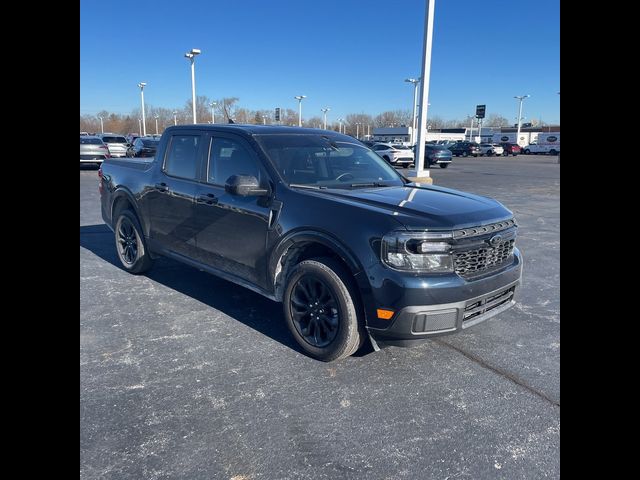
(486, 134)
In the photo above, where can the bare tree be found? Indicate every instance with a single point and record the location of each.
(495, 120)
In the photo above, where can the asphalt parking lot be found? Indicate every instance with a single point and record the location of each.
(184, 375)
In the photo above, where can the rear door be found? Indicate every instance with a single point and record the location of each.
(170, 202)
(232, 230)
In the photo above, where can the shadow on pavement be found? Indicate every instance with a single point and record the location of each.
(243, 305)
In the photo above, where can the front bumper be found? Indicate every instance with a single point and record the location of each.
(436, 305)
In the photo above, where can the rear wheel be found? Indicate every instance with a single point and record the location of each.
(130, 245)
(465, 153)
(527, 151)
(321, 309)
(444, 165)
(552, 152)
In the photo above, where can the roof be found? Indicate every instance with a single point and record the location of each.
(252, 129)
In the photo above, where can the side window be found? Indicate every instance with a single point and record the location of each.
(229, 157)
(182, 158)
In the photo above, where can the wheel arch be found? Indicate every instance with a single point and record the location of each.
(302, 245)
(122, 199)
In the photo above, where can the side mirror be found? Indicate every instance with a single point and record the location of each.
(245, 186)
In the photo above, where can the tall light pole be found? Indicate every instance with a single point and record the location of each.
(264, 119)
(471, 129)
(357, 129)
(416, 82)
(175, 118)
(424, 84)
(213, 115)
(156, 117)
(140, 126)
(520, 99)
(192, 56)
(299, 98)
(324, 111)
(101, 124)
(340, 125)
(144, 124)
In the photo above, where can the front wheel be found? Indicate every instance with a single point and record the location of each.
(444, 165)
(130, 245)
(464, 154)
(553, 152)
(321, 309)
(527, 152)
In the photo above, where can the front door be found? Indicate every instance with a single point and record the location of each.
(232, 230)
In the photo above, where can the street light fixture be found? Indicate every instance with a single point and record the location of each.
(415, 82)
(156, 117)
(213, 115)
(192, 56)
(175, 119)
(144, 125)
(299, 98)
(324, 111)
(101, 124)
(520, 99)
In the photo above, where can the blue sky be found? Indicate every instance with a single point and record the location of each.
(350, 55)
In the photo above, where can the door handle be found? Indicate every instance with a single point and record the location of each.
(208, 198)
(163, 187)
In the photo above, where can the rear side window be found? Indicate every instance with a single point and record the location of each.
(229, 157)
(90, 141)
(182, 158)
(114, 140)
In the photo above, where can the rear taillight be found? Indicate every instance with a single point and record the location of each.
(100, 172)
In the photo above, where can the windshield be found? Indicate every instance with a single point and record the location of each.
(150, 143)
(400, 147)
(320, 161)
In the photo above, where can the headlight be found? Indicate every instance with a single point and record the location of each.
(417, 251)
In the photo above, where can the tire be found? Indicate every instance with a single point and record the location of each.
(526, 151)
(342, 325)
(552, 152)
(444, 165)
(387, 159)
(505, 154)
(465, 154)
(490, 153)
(131, 247)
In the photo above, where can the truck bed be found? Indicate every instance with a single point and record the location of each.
(135, 163)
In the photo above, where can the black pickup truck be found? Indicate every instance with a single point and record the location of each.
(315, 220)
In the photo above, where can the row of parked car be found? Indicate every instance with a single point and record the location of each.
(97, 148)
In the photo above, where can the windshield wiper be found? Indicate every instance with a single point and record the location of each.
(313, 187)
(368, 184)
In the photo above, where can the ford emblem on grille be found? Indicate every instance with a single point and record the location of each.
(495, 240)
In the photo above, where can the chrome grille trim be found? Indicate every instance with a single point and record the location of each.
(484, 229)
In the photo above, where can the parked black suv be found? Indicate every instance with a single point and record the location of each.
(465, 149)
(315, 220)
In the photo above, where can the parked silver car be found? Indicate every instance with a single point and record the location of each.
(93, 150)
(117, 144)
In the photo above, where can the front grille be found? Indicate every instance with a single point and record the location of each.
(487, 304)
(404, 159)
(478, 260)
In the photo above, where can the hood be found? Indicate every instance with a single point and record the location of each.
(419, 207)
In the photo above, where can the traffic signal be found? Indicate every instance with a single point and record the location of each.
(480, 109)
(277, 114)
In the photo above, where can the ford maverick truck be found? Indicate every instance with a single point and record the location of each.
(316, 220)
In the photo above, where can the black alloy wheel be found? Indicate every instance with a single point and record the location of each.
(127, 242)
(315, 311)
